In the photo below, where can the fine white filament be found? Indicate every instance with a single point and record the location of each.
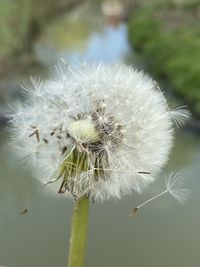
(175, 186)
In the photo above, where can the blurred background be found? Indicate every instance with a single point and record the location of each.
(162, 37)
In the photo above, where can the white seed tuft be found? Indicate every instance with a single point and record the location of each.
(180, 116)
(176, 187)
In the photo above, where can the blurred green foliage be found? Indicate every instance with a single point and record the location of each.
(14, 21)
(22, 20)
(167, 36)
(66, 32)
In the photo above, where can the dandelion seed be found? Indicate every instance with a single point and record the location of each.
(174, 186)
(36, 133)
(180, 115)
(24, 211)
(45, 140)
(101, 130)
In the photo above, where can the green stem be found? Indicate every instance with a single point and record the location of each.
(77, 244)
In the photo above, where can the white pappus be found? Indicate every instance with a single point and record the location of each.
(101, 130)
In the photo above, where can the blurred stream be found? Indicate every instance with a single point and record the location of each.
(163, 234)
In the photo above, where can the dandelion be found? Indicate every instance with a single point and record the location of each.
(100, 131)
(174, 186)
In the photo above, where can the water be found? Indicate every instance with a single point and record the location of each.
(100, 43)
(163, 234)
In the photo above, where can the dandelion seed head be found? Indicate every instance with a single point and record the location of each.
(102, 130)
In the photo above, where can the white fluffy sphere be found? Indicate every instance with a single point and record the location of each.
(101, 130)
